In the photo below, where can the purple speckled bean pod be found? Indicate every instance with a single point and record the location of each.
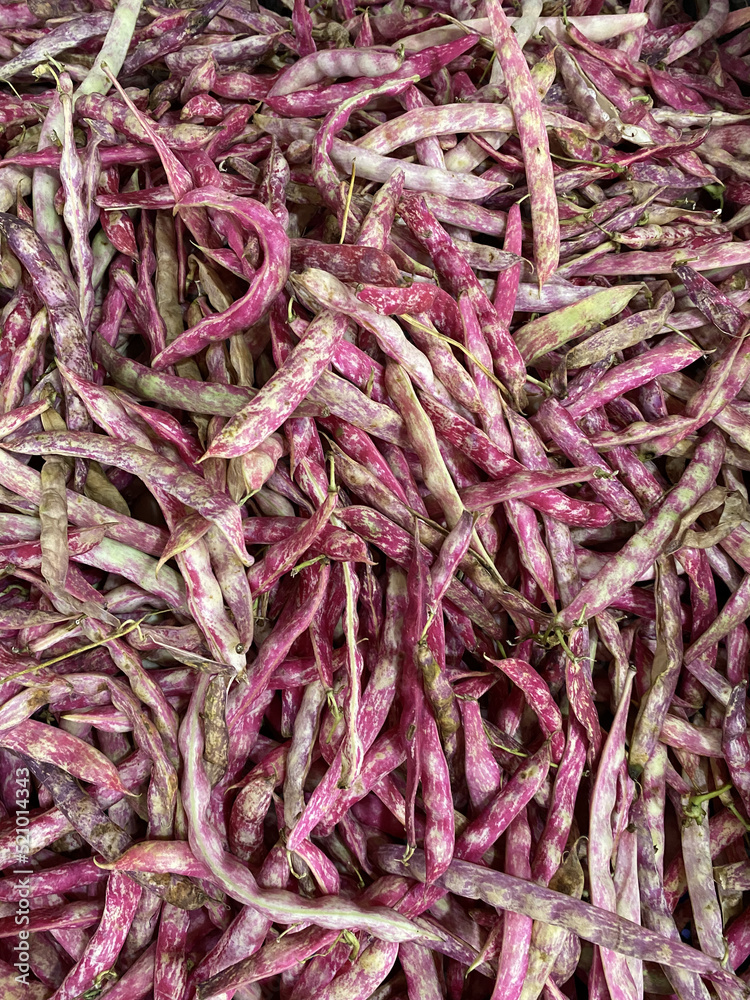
(28, 555)
(601, 843)
(724, 829)
(489, 404)
(235, 52)
(665, 673)
(276, 956)
(532, 552)
(364, 976)
(282, 556)
(267, 282)
(69, 335)
(170, 476)
(378, 762)
(162, 791)
(560, 426)
(720, 386)
(734, 613)
(66, 751)
(377, 224)
(291, 623)
(621, 59)
(355, 264)
(281, 394)
(451, 553)
(43, 829)
(114, 557)
(437, 796)
(670, 356)
(475, 218)
(52, 881)
(549, 850)
(22, 706)
(303, 27)
(170, 960)
(246, 829)
(429, 151)
(165, 426)
(419, 968)
(432, 181)
(539, 699)
(424, 441)
(327, 63)
(137, 982)
(50, 918)
(172, 40)
(522, 484)
(324, 174)
(234, 587)
(699, 33)
(483, 775)
(656, 914)
(459, 277)
(101, 952)
(328, 911)
(735, 743)
(738, 936)
(343, 399)
(397, 543)
(362, 449)
(299, 756)
(654, 786)
(24, 357)
(552, 331)
(715, 305)
(70, 34)
(52, 512)
(640, 551)
(424, 122)
(580, 92)
(508, 282)
(447, 368)
(491, 459)
(75, 214)
(580, 224)
(352, 750)
(242, 938)
(529, 123)
(332, 294)
(483, 831)
(697, 858)
(380, 691)
(682, 735)
(319, 102)
(638, 262)
(625, 874)
(160, 856)
(171, 390)
(411, 689)
(589, 922)
(514, 954)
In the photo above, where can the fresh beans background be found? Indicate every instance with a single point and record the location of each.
(374, 518)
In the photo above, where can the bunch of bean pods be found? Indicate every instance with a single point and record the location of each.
(374, 522)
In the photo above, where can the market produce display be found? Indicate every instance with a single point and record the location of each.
(374, 526)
